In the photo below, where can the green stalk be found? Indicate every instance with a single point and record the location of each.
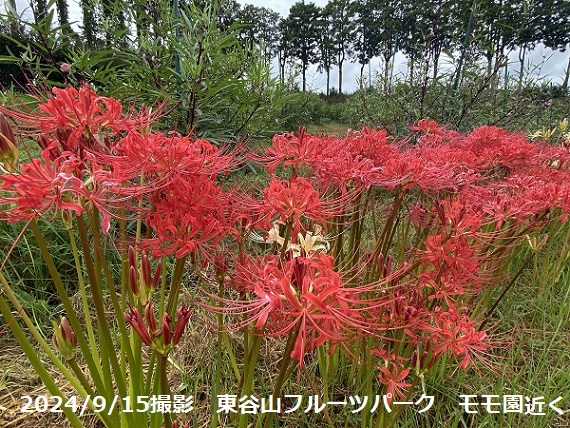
(249, 370)
(107, 346)
(85, 304)
(218, 367)
(505, 290)
(286, 239)
(175, 287)
(282, 377)
(83, 387)
(37, 363)
(164, 386)
(87, 351)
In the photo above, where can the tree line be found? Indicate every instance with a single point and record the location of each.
(341, 31)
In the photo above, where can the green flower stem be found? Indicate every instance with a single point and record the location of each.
(316, 392)
(106, 344)
(505, 290)
(101, 261)
(383, 241)
(36, 362)
(355, 231)
(175, 286)
(136, 380)
(164, 385)
(216, 375)
(283, 371)
(79, 373)
(83, 292)
(249, 370)
(94, 369)
(287, 238)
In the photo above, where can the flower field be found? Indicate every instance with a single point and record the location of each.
(316, 271)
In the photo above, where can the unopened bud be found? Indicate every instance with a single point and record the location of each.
(65, 69)
(150, 318)
(8, 151)
(183, 315)
(65, 339)
(165, 327)
(134, 318)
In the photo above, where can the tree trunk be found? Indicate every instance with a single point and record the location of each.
(522, 55)
(340, 62)
(565, 84)
(304, 76)
(328, 81)
(386, 72)
(435, 66)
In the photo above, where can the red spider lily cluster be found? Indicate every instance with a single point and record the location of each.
(359, 238)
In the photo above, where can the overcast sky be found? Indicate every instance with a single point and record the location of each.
(546, 64)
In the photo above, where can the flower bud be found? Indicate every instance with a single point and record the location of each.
(133, 280)
(165, 327)
(157, 275)
(65, 69)
(8, 151)
(65, 339)
(183, 315)
(134, 318)
(145, 265)
(150, 318)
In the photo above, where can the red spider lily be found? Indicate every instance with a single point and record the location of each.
(182, 316)
(394, 380)
(305, 294)
(141, 280)
(187, 217)
(162, 339)
(161, 156)
(292, 201)
(180, 235)
(134, 318)
(453, 254)
(346, 170)
(454, 332)
(371, 144)
(41, 187)
(65, 339)
(80, 118)
(293, 151)
(426, 126)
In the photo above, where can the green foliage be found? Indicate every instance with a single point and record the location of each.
(29, 274)
(35, 48)
(310, 108)
(478, 100)
(208, 81)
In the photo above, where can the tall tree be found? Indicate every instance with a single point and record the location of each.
(62, 13)
(365, 40)
(259, 27)
(554, 27)
(302, 27)
(497, 25)
(89, 23)
(326, 47)
(342, 28)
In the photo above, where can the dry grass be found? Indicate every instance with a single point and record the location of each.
(333, 128)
